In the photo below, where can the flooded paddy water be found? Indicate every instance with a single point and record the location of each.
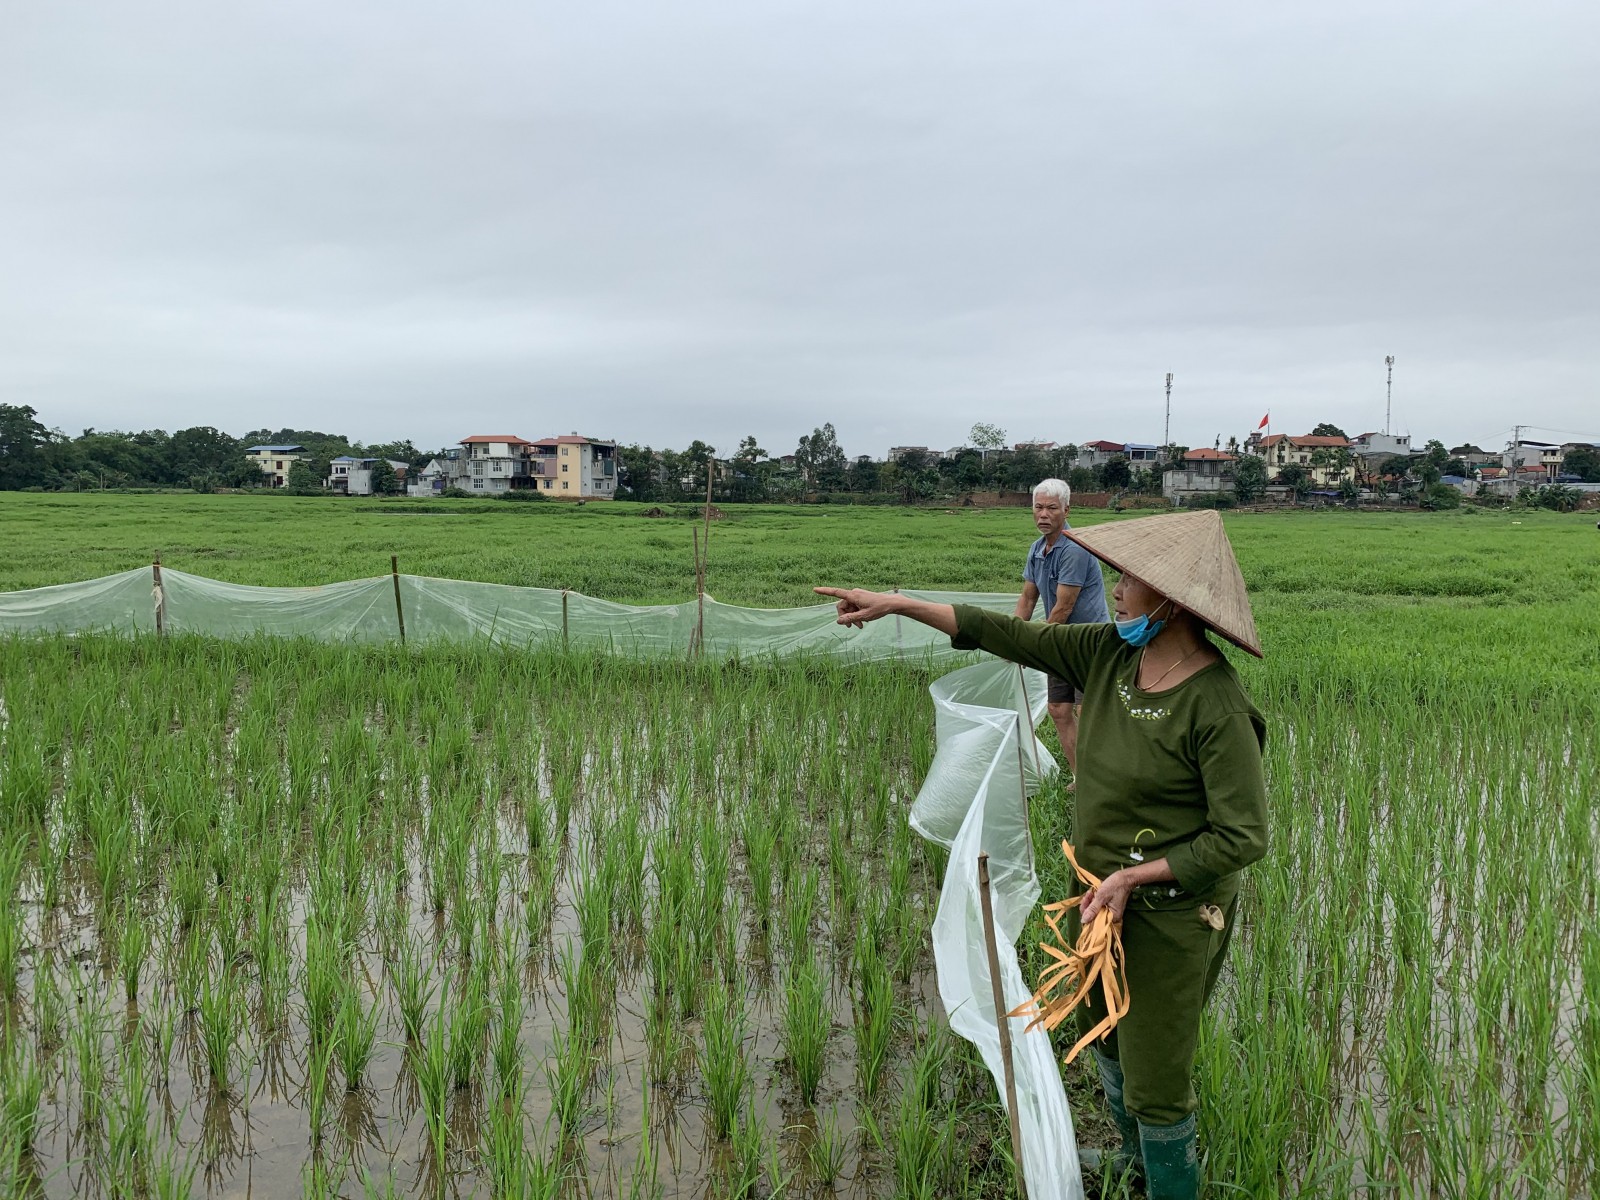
(474, 923)
(285, 919)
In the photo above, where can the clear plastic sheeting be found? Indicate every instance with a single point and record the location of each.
(364, 610)
(975, 798)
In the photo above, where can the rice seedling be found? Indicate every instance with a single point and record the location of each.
(506, 1047)
(355, 1035)
(745, 1160)
(19, 1097)
(567, 1072)
(874, 1018)
(826, 1151)
(221, 1016)
(723, 1064)
(807, 1024)
(132, 945)
(290, 803)
(128, 1140)
(921, 1145)
(433, 1075)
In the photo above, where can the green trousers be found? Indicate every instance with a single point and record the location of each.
(1173, 958)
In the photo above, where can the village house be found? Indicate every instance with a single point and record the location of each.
(432, 479)
(1281, 450)
(493, 463)
(1546, 457)
(574, 468)
(275, 461)
(353, 476)
(1381, 445)
(1204, 472)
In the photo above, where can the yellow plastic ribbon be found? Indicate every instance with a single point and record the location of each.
(1068, 983)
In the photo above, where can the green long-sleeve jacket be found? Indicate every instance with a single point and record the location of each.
(1174, 774)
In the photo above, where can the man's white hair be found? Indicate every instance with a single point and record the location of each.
(1056, 489)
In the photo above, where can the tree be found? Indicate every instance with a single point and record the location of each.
(401, 451)
(749, 471)
(1334, 460)
(865, 476)
(1329, 429)
(1116, 474)
(986, 437)
(819, 459)
(1297, 479)
(639, 472)
(22, 440)
(200, 450)
(692, 465)
(1440, 495)
(303, 476)
(1584, 462)
(384, 480)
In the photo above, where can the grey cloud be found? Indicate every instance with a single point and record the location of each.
(663, 222)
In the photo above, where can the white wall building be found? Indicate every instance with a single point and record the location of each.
(275, 461)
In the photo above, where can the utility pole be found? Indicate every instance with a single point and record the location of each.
(1167, 433)
(1388, 403)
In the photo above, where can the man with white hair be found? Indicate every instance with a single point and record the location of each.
(1068, 579)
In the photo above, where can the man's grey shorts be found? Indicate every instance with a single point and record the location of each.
(1062, 692)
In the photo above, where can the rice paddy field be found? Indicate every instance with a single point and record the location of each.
(280, 918)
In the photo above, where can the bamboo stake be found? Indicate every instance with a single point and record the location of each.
(399, 612)
(1002, 1021)
(565, 631)
(700, 597)
(161, 596)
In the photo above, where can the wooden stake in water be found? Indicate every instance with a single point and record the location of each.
(161, 596)
(1001, 1021)
(700, 600)
(399, 612)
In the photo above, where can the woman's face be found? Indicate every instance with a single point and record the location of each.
(1133, 598)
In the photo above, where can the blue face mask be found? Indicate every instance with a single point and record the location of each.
(1140, 630)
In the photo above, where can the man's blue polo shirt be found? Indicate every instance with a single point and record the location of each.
(1070, 564)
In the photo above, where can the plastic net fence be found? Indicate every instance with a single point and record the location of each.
(974, 799)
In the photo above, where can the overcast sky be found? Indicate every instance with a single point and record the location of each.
(655, 222)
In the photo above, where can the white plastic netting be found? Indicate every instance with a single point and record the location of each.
(974, 799)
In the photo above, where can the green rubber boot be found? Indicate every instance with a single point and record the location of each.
(1126, 1158)
(1171, 1160)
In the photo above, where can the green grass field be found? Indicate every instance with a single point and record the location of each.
(481, 921)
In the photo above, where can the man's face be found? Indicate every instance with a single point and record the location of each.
(1049, 515)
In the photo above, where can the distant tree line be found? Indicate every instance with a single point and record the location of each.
(818, 467)
(201, 457)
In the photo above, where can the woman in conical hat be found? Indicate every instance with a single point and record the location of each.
(1170, 804)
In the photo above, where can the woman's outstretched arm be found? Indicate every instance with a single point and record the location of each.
(857, 606)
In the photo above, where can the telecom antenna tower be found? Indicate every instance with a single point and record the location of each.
(1388, 403)
(1166, 437)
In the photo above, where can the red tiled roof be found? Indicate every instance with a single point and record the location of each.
(512, 438)
(1206, 454)
(1306, 439)
(1103, 445)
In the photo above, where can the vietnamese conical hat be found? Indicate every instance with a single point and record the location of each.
(1187, 558)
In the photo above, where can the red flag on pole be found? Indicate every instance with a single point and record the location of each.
(1264, 421)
